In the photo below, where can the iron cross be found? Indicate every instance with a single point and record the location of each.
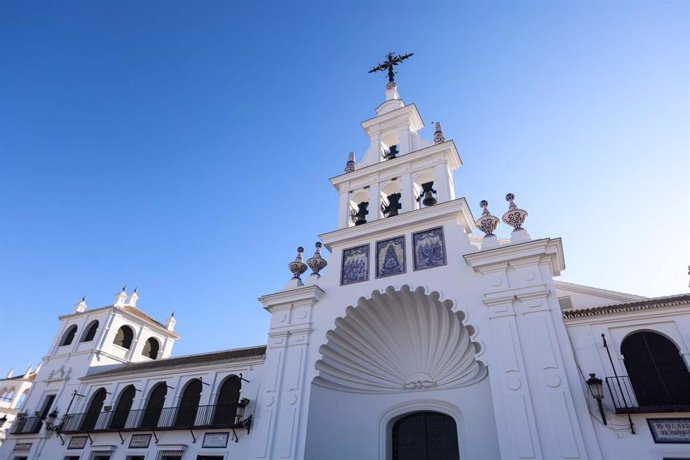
(391, 61)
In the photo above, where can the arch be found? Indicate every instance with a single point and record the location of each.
(656, 369)
(22, 399)
(397, 341)
(424, 435)
(189, 404)
(90, 331)
(118, 419)
(151, 348)
(94, 410)
(124, 337)
(154, 406)
(7, 394)
(68, 336)
(226, 403)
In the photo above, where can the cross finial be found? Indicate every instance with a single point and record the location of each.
(391, 61)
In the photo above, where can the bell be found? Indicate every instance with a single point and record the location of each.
(361, 216)
(427, 196)
(392, 153)
(393, 205)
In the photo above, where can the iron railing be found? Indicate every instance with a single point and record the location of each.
(648, 395)
(169, 418)
(27, 425)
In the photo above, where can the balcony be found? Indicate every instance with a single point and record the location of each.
(159, 419)
(27, 425)
(648, 395)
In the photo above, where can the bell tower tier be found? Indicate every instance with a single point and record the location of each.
(400, 171)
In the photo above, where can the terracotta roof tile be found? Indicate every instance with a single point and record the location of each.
(649, 304)
(184, 361)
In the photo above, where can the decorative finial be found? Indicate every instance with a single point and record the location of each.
(350, 165)
(438, 133)
(81, 305)
(170, 323)
(297, 267)
(121, 297)
(515, 216)
(316, 262)
(391, 61)
(486, 223)
(124, 288)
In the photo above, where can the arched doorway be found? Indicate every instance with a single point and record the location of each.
(94, 410)
(189, 404)
(124, 404)
(226, 406)
(425, 436)
(656, 370)
(154, 406)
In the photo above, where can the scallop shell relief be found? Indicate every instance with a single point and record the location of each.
(396, 341)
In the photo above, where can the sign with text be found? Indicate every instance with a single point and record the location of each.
(670, 430)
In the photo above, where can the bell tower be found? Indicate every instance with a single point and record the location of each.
(400, 171)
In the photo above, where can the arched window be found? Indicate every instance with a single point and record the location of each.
(656, 370)
(90, 332)
(189, 404)
(154, 406)
(94, 410)
(425, 436)
(68, 336)
(118, 419)
(151, 348)
(22, 400)
(226, 404)
(124, 337)
(7, 394)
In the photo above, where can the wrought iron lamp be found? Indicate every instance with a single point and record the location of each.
(3, 420)
(50, 420)
(596, 388)
(240, 421)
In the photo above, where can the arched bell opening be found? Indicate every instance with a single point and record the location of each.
(390, 147)
(399, 341)
(358, 207)
(391, 199)
(425, 193)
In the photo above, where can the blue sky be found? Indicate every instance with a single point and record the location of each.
(185, 147)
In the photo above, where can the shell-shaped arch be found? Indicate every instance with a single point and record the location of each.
(399, 340)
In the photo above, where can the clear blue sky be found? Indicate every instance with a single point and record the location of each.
(185, 147)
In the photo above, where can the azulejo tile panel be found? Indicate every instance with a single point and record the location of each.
(390, 257)
(429, 249)
(355, 265)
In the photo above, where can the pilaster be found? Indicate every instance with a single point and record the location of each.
(281, 407)
(535, 407)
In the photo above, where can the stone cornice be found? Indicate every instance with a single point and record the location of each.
(432, 215)
(410, 110)
(651, 304)
(447, 148)
(311, 294)
(551, 247)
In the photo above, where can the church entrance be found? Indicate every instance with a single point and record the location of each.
(425, 436)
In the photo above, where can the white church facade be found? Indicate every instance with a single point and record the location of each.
(422, 337)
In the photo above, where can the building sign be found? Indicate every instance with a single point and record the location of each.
(670, 430)
(22, 447)
(216, 439)
(77, 442)
(140, 441)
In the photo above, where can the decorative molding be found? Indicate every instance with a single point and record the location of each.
(398, 341)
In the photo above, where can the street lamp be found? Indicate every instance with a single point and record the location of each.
(596, 387)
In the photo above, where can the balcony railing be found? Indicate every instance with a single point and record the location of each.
(169, 418)
(27, 425)
(648, 395)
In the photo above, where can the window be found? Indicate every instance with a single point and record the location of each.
(68, 337)
(90, 331)
(94, 410)
(151, 348)
(100, 456)
(118, 418)
(154, 406)
(209, 457)
(7, 394)
(47, 404)
(124, 337)
(189, 404)
(656, 370)
(135, 457)
(226, 404)
(425, 435)
(71, 457)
